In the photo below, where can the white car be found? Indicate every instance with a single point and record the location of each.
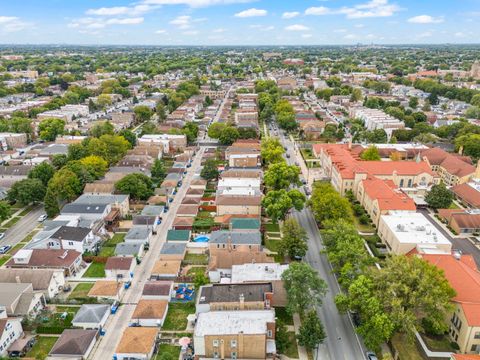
(42, 218)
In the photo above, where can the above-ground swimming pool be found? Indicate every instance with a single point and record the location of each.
(201, 238)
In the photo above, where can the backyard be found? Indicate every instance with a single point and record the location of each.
(407, 349)
(177, 315)
(95, 270)
(172, 350)
(42, 347)
(292, 350)
(81, 290)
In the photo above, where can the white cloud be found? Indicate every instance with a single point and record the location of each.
(190, 32)
(196, 3)
(12, 24)
(263, 27)
(350, 37)
(290, 14)
(318, 10)
(425, 34)
(459, 34)
(340, 31)
(182, 22)
(125, 21)
(297, 27)
(373, 8)
(359, 26)
(218, 31)
(121, 10)
(253, 12)
(306, 36)
(100, 23)
(425, 19)
(161, 31)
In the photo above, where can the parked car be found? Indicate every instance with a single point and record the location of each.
(2, 235)
(114, 307)
(42, 218)
(4, 249)
(371, 355)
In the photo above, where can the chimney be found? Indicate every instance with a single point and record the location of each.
(460, 151)
(17, 279)
(242, 302)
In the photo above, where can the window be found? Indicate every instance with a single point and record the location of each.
(233, 355)
(409, 182)
(474, 348)
(269, 333)
(216, 343)
(70, 243)
(401, 183)
(215, 354)
(233, 343)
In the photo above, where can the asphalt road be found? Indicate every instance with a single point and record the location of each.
(115, 325)
(342, 343)
(22, 228)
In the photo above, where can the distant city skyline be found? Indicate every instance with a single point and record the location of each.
(239, 22)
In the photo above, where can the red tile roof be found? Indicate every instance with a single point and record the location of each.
(464, 278)
(467, 194)
(388, 197)
(457, 165)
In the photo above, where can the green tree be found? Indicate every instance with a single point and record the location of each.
(294, 239)
(158, 171)
(371, 154)
(278, 203)
(215, 129)
(109, 147)
(138, 186)
(413, 102)
(51, 203)
(27, 191)
(5, 211)
(142, 113)
(473, 112)
(65, 185)
(59, 160)
(281, 175)
(327, 204)
(130, 136)
(272, 151)
(305, 289)
(103, 100)
(160, 109)
(439, 197)
(356, 95)
(102, 128)
(191, 132)
(200, 279)
(43, 172)
(228, 135)
(475, 100)
(50, 128)
(282, 339)
(311, 332)
(95, 166)
(470, 144)
(209, 170)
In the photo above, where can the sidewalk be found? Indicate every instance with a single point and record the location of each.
(302, 352)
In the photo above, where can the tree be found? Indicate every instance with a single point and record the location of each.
(413, 102)
(5, 211)
(142, 113)
(50, 128)
(109, 147)
(215, 129)
(65, 185)
(160, 109)
(158, 171)
(95, 166)
(327, 204)
(102, 128)
(209, 170)
(138, 186)
(130, 136)
(104, 100)
(43, 172)
(356, 95)
(191, 132)
(439, 197)
(282, 339)
(27, 191)
(311, 332)
(294, 240)
(470, 144)
(473, 112)
(228, 135)
(272, 151)
(305, 289)
(51, 203)
(475, 100)
(281, 175)
(278, 203)
(59, 160)
(200, 279)
(371, 154)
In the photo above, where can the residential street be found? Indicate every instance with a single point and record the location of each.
(115, 325)
(342, 342)
(23, 227)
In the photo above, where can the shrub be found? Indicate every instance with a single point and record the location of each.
(364, 219)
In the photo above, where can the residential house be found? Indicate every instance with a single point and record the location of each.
(157, 290)
(69, 261)
(10, 331)
(107, 289)
(178, 235)
(183, 223)
(48, 282)
(137, 343)
(120, 268)
(139, 235)
(173, 251)
(80, 239)
(244, 204)
(240, 241)
(20, 299)
(235, 334)
(221, 297)
(74, 343)
(130, 249)
(91, 316)
(9, 175)
(166, 269)
(116, 201)
(150, 312)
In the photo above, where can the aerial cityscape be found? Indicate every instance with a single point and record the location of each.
(240, 179)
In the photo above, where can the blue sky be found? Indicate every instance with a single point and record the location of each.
(239, 22)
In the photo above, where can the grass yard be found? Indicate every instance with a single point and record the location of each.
(272, 227)
(200, 259)
(116, 239)
(42, 347)
(4, 259)
(30, 236)
(81, 290)
(95, 270)
(407, 349)
(453, 206)
(438, 343)
(12, 222)
(69, 309)
(368, 228)
(174, 351)
(107, 251)
(292, 350)
(177, 315)
(282, 315)
(272, 245)
(193, 271)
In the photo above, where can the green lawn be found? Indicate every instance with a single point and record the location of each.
(116, 239)
(453, 206)
(69, 309)
(363, 228)
(407, 349)
(107, 251)
(272, 227)
(12, 222)
(16, 248)
(42, 347)
(196, 258)
(193, 271)
(95, 270)
(438, 343)
(174, 351)
(177, 315)
(4, 259)
(292, 350)
(30, 236)
(272, 245)
(282, 315)
(81, 290)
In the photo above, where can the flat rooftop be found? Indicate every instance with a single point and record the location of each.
(232, 292)
(233, 322)
(257, 272)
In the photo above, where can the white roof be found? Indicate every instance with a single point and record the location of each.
(238, 182)
(257, 272)
(413, 228)
(233, 322)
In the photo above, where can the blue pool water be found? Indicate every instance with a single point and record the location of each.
(201, 238)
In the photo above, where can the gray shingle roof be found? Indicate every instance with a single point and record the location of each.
(83, 208)
(73, 342)
(175, 248)
(127, 249)
(91, 313)
(138, 233)
(71, 233)
(235, 237)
